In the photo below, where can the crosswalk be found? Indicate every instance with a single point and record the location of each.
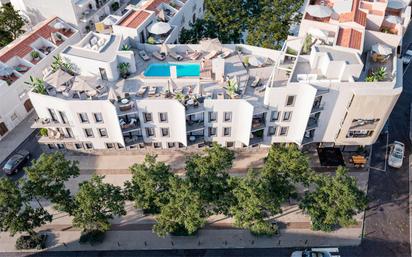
(334, 252)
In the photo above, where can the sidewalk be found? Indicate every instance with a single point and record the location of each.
(16, 136)
(119, 164)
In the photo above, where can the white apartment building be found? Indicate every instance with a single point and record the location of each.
(331, 85)
(17, 64)
(83, 14)
(135, 25)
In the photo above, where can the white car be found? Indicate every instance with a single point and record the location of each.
(396, 153)
(308, 253)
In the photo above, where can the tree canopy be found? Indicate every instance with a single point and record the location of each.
(46, 178)
(208, 175)
(334, 202)
(16, 213)
(97, 203)
(183, 214)
(149, 187)
(11, 24)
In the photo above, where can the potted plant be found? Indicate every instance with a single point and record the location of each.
(125, 47)
(38, 85)
(151, 40)
(246, 61)
(124, 69)
(35, 56)
(231, 88)
(180, 97)
(115, 6)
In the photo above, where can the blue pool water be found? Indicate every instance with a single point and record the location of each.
(163, 70)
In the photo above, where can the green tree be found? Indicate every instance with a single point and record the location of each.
(16, 213)
(334, 202)
(183, 214)
(46, 178)
(208, 175)
(228, 17)
(149, 187)
(96, 204)
(270, 22)
(254, 204)
(11, 24)
(202, 28)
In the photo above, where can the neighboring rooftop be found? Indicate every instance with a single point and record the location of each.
(134, 19)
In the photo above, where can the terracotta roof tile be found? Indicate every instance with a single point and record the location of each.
(22, 47)
(134, 19)
(154, 4)
(348, 37)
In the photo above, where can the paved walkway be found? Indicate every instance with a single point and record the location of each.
(16, 136)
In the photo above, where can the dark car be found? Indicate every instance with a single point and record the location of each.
(16, 162)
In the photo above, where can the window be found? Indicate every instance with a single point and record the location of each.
(78, 146)
(60, 146)
(102, 132)
(63, 117)
(290, 100)
(274, 116)
(147, 117)
(157, 145)
(171, 145)
(109, 145)
(227, 116)
(163, 116)
(283, 131)
(98, 117)
(230, 144)
(51, 146)
(165, 132)
(359, 133)
(53, 115)
(120, 146)
(88, 132)
(287, 116)
(212, 131)
(226, 132)
(83, 117)
(212, 116)
(272, 131)
(150, 132)
(69, 133)
(88, 146)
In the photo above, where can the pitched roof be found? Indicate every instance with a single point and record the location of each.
(152, 5)
(348, 37)
(21, 47)
(135, 19)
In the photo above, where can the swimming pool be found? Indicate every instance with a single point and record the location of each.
(163, 70)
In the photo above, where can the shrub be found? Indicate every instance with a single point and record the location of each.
(151, 40)
(43, 132)
(92, 237)
(35, 54)
(31, 242)
(263, 229)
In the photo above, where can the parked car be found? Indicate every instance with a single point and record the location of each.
(16, 162)
(309, 253)
(407, 55)
(396, 154)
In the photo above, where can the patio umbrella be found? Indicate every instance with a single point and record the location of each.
(396, 4)
(255, 61)
(319, 11)
(393, 19)
(381, 49)
(81, 83)
(58, 78)
(162, 15)
(164, 49)
(160, 28)
(318, 33)
(211, 44)
(5, 70)
(112, 95)
(59, 25)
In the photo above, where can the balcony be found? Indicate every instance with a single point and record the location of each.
(134, 140)
(258, 121)
(194, 125)
(317, 108)
(48, 123)
(256, 137)
(195, 140)
(312, 124)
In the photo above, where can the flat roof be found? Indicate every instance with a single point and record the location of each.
(134, 19)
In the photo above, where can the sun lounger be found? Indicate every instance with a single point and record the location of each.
(211, 55)
(159, 56)
(195, 55)
(226, 54)
(255, 83)
(152, 91)
(141, 91)
(144, 55)
(175, 55)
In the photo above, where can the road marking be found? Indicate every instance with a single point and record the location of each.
(330, 250)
